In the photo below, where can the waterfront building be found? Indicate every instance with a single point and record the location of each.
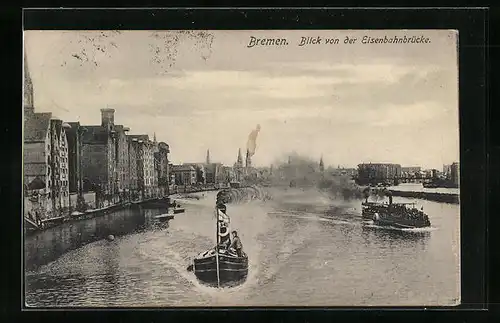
(341, 171)
(185, 175)
(74, 153)
(226, 175)
(45, 159)
(45, 163)
(74, 137)
(172, 176)
(212, 173)
(146, 173)
(411, 169)
(201, 174)
(378, 172)
(133, 166)
(104, 157)
(122, 179)
(455, 173)
(238, 167)
(162, 168)
(447, 171)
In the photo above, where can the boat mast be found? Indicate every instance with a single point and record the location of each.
(217, 246)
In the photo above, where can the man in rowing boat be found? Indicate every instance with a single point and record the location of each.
(236, 244)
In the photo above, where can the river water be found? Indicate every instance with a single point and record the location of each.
(304, 250)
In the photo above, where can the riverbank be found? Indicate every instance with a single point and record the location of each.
(431, 196)
(31, 226)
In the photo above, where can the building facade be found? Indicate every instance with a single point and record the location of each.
(45, 160)
(201, 172)
(163, 173)
(227, 175)
(121, 168)
(212, 172)
(74, 154)
(455, 173)
(147, 181)
(447, 171)
(185, 175)
(98, 156)
(133, 166)
(411, 169)
(239, 170)
(105, 160)
(378, 172)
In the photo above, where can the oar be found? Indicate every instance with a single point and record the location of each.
(190, 268)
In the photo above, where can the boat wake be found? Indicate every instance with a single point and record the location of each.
(370, 224)
(268, 241)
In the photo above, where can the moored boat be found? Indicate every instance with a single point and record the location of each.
(164, 217)
(178, 210)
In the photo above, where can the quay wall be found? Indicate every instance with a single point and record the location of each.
(438, 197)
(89, 197)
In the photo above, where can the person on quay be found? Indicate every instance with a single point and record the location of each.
(236, 244)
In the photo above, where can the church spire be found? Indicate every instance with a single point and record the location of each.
(239, 161)
(321, 164)
(208, 156)
(248, 159)
(154, 137)
(28, 85)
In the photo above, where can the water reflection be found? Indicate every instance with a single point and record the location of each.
(296, 258)
(391, 237)
(46, 246)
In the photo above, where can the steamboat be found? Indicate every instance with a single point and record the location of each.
(398, 215)
(221, 266)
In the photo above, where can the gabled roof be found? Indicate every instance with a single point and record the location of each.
(36, 184)
(36, 126)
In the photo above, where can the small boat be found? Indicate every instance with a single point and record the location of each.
(398, 215)
(178, 210)
(164, 217)
(220, 266)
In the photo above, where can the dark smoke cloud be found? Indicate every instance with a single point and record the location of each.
(300, 171)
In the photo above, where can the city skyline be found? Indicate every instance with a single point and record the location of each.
(348, 107)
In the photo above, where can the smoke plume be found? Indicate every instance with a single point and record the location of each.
(304, 172)
(252, 141)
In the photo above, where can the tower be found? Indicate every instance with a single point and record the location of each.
(248, 160)
(321, 165)
(239, 161)
(28, 85)
(208, 157)
(107, 117)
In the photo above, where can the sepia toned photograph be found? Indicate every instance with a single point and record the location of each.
(220, 168)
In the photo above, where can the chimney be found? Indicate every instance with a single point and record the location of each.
(107, 117)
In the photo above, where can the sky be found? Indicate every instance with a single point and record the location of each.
(199, 90)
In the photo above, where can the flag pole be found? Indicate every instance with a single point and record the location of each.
(217, 246)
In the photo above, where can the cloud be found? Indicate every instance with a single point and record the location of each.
(342, 100)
